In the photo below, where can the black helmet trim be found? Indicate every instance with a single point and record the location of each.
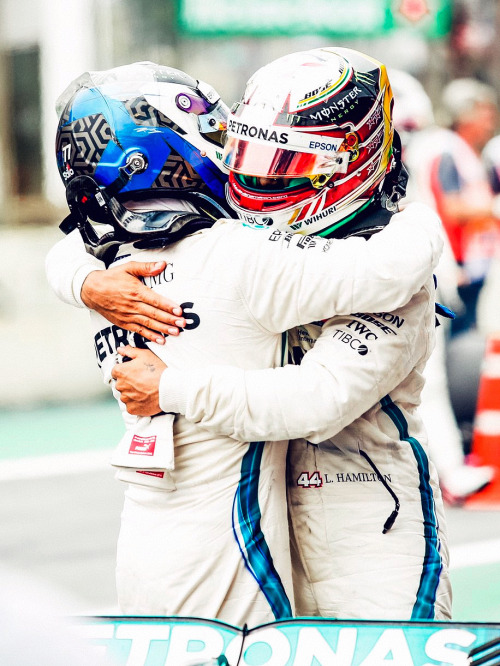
(89, 202)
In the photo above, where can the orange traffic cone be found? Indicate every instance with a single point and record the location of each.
(485, 448)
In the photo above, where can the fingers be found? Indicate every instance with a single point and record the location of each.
(148, 303)
(150, 268)
(160, 307)
(137, 381)
(164, 304)
(145, 355)
(150, 334)
(150, 327)
(128, 350)
(145, 268)
(158, 312)
(119, 295)
(117, 372)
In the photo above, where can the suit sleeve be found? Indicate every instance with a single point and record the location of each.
(291, 279)
(67, 265)
(354, 363)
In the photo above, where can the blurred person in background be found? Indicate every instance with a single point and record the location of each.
(147, 136)
(414, 119)
(491, 159)
(464, 199)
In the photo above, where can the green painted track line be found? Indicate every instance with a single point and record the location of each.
(66, 428)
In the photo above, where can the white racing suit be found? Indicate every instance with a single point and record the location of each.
(344, 565)
(214, 542)
(354, 400)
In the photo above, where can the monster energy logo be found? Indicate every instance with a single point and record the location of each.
(364, 77)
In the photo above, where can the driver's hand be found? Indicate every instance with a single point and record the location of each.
(138, 380)
(119, 295)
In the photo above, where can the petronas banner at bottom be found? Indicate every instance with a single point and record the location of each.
(129, 641)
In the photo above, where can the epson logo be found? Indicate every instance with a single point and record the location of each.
(323, 146)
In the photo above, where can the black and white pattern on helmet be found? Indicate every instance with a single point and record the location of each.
(178, 174)
(88, 138)
(144, 114)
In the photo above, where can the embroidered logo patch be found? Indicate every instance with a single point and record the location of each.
(143, 446)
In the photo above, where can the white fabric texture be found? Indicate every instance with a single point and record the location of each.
(354, 365)
(382, 274)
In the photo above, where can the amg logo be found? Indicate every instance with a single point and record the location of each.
(166, 276)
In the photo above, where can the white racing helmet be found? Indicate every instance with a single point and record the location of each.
(311, 141)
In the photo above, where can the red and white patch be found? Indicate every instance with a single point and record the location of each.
(142, 446)
(149, 472)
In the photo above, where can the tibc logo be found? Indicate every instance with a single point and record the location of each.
(353, 343)
(143, 446)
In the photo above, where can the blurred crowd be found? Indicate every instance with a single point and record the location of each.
(452, 154)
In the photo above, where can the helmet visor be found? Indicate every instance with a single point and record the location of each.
(257, 146)
(260, 159)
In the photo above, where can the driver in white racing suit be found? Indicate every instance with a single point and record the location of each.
(150, 512)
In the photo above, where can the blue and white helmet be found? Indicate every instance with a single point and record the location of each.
(141, 131)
